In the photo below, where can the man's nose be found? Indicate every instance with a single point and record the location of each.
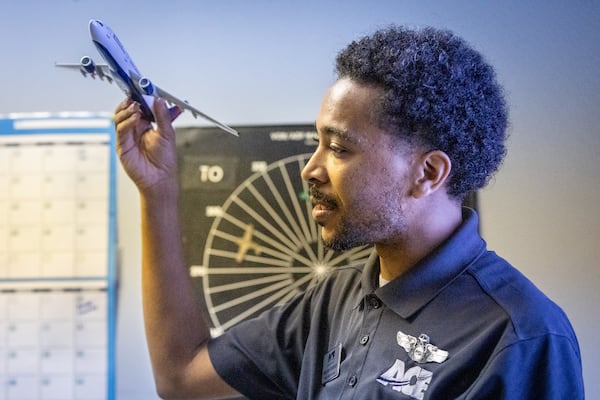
(314, 171)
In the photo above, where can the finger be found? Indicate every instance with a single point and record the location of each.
(175, 112)
(125, 127)
(123, 105)
(163, 118)
(130, 118)
(129, 126)
(124, 111)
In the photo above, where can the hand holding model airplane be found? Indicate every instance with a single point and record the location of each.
(121, 69)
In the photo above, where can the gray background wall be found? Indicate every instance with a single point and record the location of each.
(263, 62)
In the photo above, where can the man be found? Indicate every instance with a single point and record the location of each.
(414, 122)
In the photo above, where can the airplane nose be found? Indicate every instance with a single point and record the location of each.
(95, 28)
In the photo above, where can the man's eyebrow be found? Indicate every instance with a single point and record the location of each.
(342, 134)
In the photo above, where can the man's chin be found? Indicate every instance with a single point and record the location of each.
(328, 239)
(337, 243)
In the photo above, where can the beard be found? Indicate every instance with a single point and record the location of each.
(347, 237)
(358, 226)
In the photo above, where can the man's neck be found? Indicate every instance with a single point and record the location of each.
(422, 239)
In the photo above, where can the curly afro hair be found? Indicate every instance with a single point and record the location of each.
(438, 93)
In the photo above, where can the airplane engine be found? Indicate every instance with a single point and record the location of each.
(88, 65)
(146, 86)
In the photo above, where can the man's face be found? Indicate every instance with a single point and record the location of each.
(359, 174)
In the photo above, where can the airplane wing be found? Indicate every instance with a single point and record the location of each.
(154, 90)
(101, 71)
(195, 112)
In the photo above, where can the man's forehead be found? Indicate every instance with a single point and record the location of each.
(346, 110)
(345, 89)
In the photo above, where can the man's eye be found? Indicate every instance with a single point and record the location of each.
(336, 149)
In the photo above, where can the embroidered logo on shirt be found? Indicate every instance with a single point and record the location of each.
(412, 382)
(420, 350)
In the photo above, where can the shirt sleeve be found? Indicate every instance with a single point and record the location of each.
(261, 358)
(544, 367)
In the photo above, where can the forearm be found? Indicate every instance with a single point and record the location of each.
(176, 332)
(175, 328)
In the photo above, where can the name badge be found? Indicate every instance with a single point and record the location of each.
(331, 364)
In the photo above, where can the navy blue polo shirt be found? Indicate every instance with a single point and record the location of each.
(461, 324)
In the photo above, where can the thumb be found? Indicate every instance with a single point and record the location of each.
(162, 117)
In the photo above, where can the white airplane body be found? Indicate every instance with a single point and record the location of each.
(120, 68)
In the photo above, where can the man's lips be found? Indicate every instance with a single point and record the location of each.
(321, 208)
(323, 205)
(320, 212)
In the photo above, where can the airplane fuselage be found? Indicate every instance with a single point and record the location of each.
(120, 64)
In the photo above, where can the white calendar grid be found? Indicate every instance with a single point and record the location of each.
(57, 280)
(53, 344)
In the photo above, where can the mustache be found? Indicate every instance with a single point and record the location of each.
(318, 197)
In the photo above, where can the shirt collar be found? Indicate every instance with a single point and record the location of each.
(408, 293)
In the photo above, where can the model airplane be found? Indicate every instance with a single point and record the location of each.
(121, 69)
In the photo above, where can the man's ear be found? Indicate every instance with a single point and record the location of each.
(433, 168)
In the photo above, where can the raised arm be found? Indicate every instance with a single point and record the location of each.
(175, 330)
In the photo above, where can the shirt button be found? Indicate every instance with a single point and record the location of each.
(374, 302)
(364, 340)
(352, 381)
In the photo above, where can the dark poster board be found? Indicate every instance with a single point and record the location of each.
(248, 234)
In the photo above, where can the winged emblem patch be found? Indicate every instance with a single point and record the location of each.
(420, 349)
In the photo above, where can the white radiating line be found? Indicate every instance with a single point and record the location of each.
(286, 211)
(263, 260)
(248, 283)
(287, 251)
(237, 270)
(316, 278)
(263, 222)
(235, 221)
(360, 253)
(314, 229)
(328, 256)
(253, 295)
(286, 254)
(347, 255)
(321, 246)
(274, 243)
(271, 299)
(294, 197)
(282, 205)
(289, 296)
(267, 207)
